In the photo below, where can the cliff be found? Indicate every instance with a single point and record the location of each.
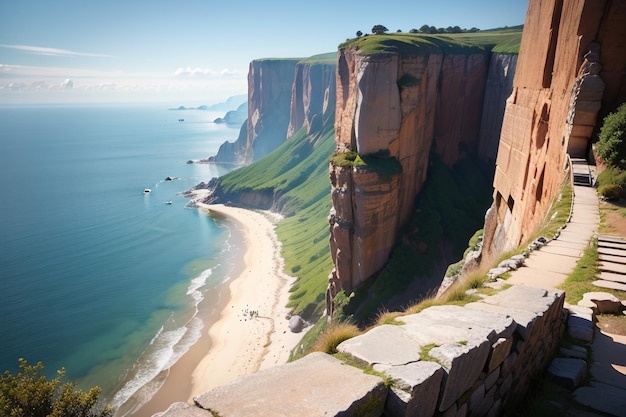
(569, 74)
(283, 96)
(398, 106)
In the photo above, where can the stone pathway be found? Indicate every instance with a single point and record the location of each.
(548, 267)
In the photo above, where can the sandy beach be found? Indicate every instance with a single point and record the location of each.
(248, 330)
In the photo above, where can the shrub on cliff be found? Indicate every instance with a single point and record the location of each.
(30, 393)
(611, 144)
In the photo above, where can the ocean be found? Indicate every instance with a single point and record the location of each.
(97, 276)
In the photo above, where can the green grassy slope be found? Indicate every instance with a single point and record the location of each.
(297, 175)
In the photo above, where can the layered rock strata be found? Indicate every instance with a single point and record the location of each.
(567, 66)
(394, 110)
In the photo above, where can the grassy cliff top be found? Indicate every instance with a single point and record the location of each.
(328, 58)
(505, 40)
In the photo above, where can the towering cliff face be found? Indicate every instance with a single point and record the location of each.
(393, 110)
(497, 89)
(568, 53)
(283, 96)
(312, 93)
(270, 84)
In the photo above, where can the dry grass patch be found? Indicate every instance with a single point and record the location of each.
(333, 336)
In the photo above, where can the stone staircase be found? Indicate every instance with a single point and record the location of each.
(612, 263)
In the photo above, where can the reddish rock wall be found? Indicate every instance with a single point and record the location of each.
(397, 108)
(539, 123)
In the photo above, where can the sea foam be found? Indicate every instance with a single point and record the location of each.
(164, 350)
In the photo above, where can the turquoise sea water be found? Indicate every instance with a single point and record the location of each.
(96, 276)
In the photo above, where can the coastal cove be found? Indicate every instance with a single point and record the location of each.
(113, 284)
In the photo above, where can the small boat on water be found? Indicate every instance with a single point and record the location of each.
(169, 203)
(147, 191)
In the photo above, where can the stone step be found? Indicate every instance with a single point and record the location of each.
(610, 284)
(612, 267)
(611, 251)
(612, 258)
(613, 239)
(568, 372)
(612, 245)
(610, 276)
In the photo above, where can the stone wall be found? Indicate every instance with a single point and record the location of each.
(474, 360)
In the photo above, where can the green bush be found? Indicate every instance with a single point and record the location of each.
(610, 191)
(612, 183)
(30, 393)
(611, 144)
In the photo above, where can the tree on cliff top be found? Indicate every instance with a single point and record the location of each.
(611, 144)
(31, 394)
(379, 29)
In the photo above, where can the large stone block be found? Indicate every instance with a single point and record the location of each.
(464, 364)
(386, 344)
(568, 372)
(415, 389)
(499, 351)
(316, 385)
(524, 304)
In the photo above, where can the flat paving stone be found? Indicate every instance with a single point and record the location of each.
(575, 253)
(610, 284)
(316, 385)
(537, 278)
(610, 276)
(386, 344)
(568, 244)
(545, 261)
(612, 258)
(570, 236)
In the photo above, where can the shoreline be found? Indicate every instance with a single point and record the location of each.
(245, 321)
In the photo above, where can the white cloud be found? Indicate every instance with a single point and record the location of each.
(33, 83)
(202, 72)
(42, 50)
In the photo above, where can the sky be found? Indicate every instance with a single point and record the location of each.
(192, 52)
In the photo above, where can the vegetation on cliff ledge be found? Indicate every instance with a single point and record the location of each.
(505, 41)
(382, 165)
